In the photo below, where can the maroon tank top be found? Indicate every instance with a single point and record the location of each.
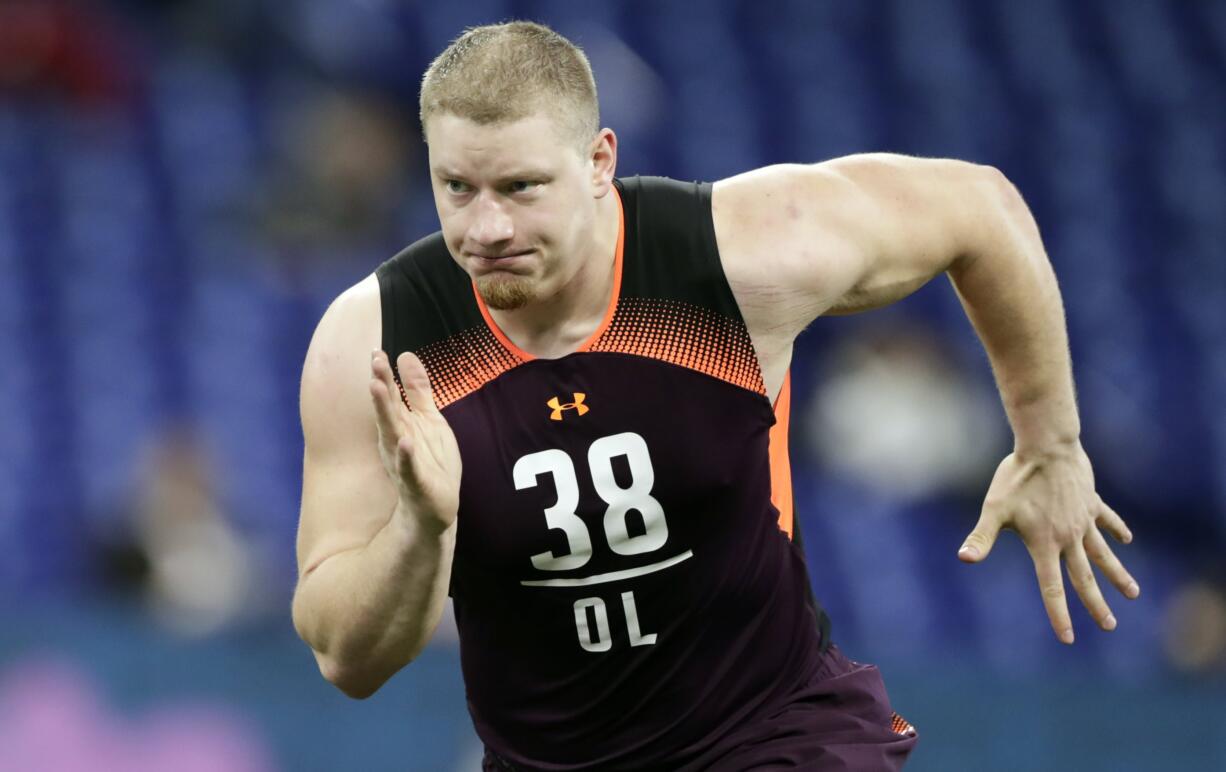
(626, 584)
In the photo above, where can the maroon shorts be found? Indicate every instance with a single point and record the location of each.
(840, 720)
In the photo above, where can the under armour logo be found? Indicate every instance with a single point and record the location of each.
(558, 407)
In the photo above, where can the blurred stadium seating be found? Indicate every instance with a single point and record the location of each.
(170, 232)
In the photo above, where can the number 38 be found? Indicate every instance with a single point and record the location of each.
(621, 501)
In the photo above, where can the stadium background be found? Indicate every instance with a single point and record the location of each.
(184, 185)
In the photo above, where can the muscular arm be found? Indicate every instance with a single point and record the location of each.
(864, 231)
(848, 235)
(373, 562)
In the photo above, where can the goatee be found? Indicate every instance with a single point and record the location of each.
(505, 293)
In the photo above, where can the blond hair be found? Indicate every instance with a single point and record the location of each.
(501, 73)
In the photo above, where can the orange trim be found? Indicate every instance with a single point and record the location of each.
(610, 307)
(781, 468)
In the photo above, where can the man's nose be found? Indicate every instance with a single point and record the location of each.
(493, 223)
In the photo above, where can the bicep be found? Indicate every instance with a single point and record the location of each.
(852, 233)
(346, 495)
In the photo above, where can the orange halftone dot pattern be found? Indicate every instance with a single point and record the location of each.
(668, 330)
(463, 363)
(685, 335)
(900, 725)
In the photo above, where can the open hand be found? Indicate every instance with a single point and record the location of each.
(417, 446)
(1051, 502)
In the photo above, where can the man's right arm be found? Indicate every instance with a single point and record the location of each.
(379, 494)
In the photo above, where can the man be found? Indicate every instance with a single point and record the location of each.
(606, 361)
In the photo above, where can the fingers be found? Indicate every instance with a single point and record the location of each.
(1107, 518)
(1100, 552)
(382, 389)
(416, 382)
(383, 416)
(1082, 576)
(381, 368)
(1051, 586)
(1077, 558)
(979, 543)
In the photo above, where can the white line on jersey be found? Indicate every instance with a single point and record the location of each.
(612, 576)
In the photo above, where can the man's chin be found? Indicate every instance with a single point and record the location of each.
(505, 293)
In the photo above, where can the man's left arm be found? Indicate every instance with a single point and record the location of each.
(864, 231)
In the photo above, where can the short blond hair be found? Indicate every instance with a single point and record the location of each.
(500, 73)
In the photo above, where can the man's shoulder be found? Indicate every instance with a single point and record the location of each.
(670, 213)
(422, 255)
(660, 190)
(353, 315)
(424, 297)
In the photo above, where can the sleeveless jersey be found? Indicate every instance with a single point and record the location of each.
(625, 583)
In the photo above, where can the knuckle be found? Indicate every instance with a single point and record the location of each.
(1064, 533)
(1038, 538)
(1052, 591)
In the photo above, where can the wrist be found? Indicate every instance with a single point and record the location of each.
(1045, 428)
(1055, 447)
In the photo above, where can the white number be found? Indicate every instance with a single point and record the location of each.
(603, 641)
(621, 500)
(562, 514)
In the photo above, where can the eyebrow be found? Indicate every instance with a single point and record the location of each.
(518, 174)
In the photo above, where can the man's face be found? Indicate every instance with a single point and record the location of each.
(517, 204)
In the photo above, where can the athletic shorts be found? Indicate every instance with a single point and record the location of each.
(840, 720)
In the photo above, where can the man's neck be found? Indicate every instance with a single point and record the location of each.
(557, 325)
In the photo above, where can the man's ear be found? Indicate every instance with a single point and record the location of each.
(603, 156)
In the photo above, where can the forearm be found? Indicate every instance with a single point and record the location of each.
(1009, 291)
(370, 611)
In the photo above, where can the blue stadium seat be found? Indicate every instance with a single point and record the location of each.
(205, 132)
(443, 22)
